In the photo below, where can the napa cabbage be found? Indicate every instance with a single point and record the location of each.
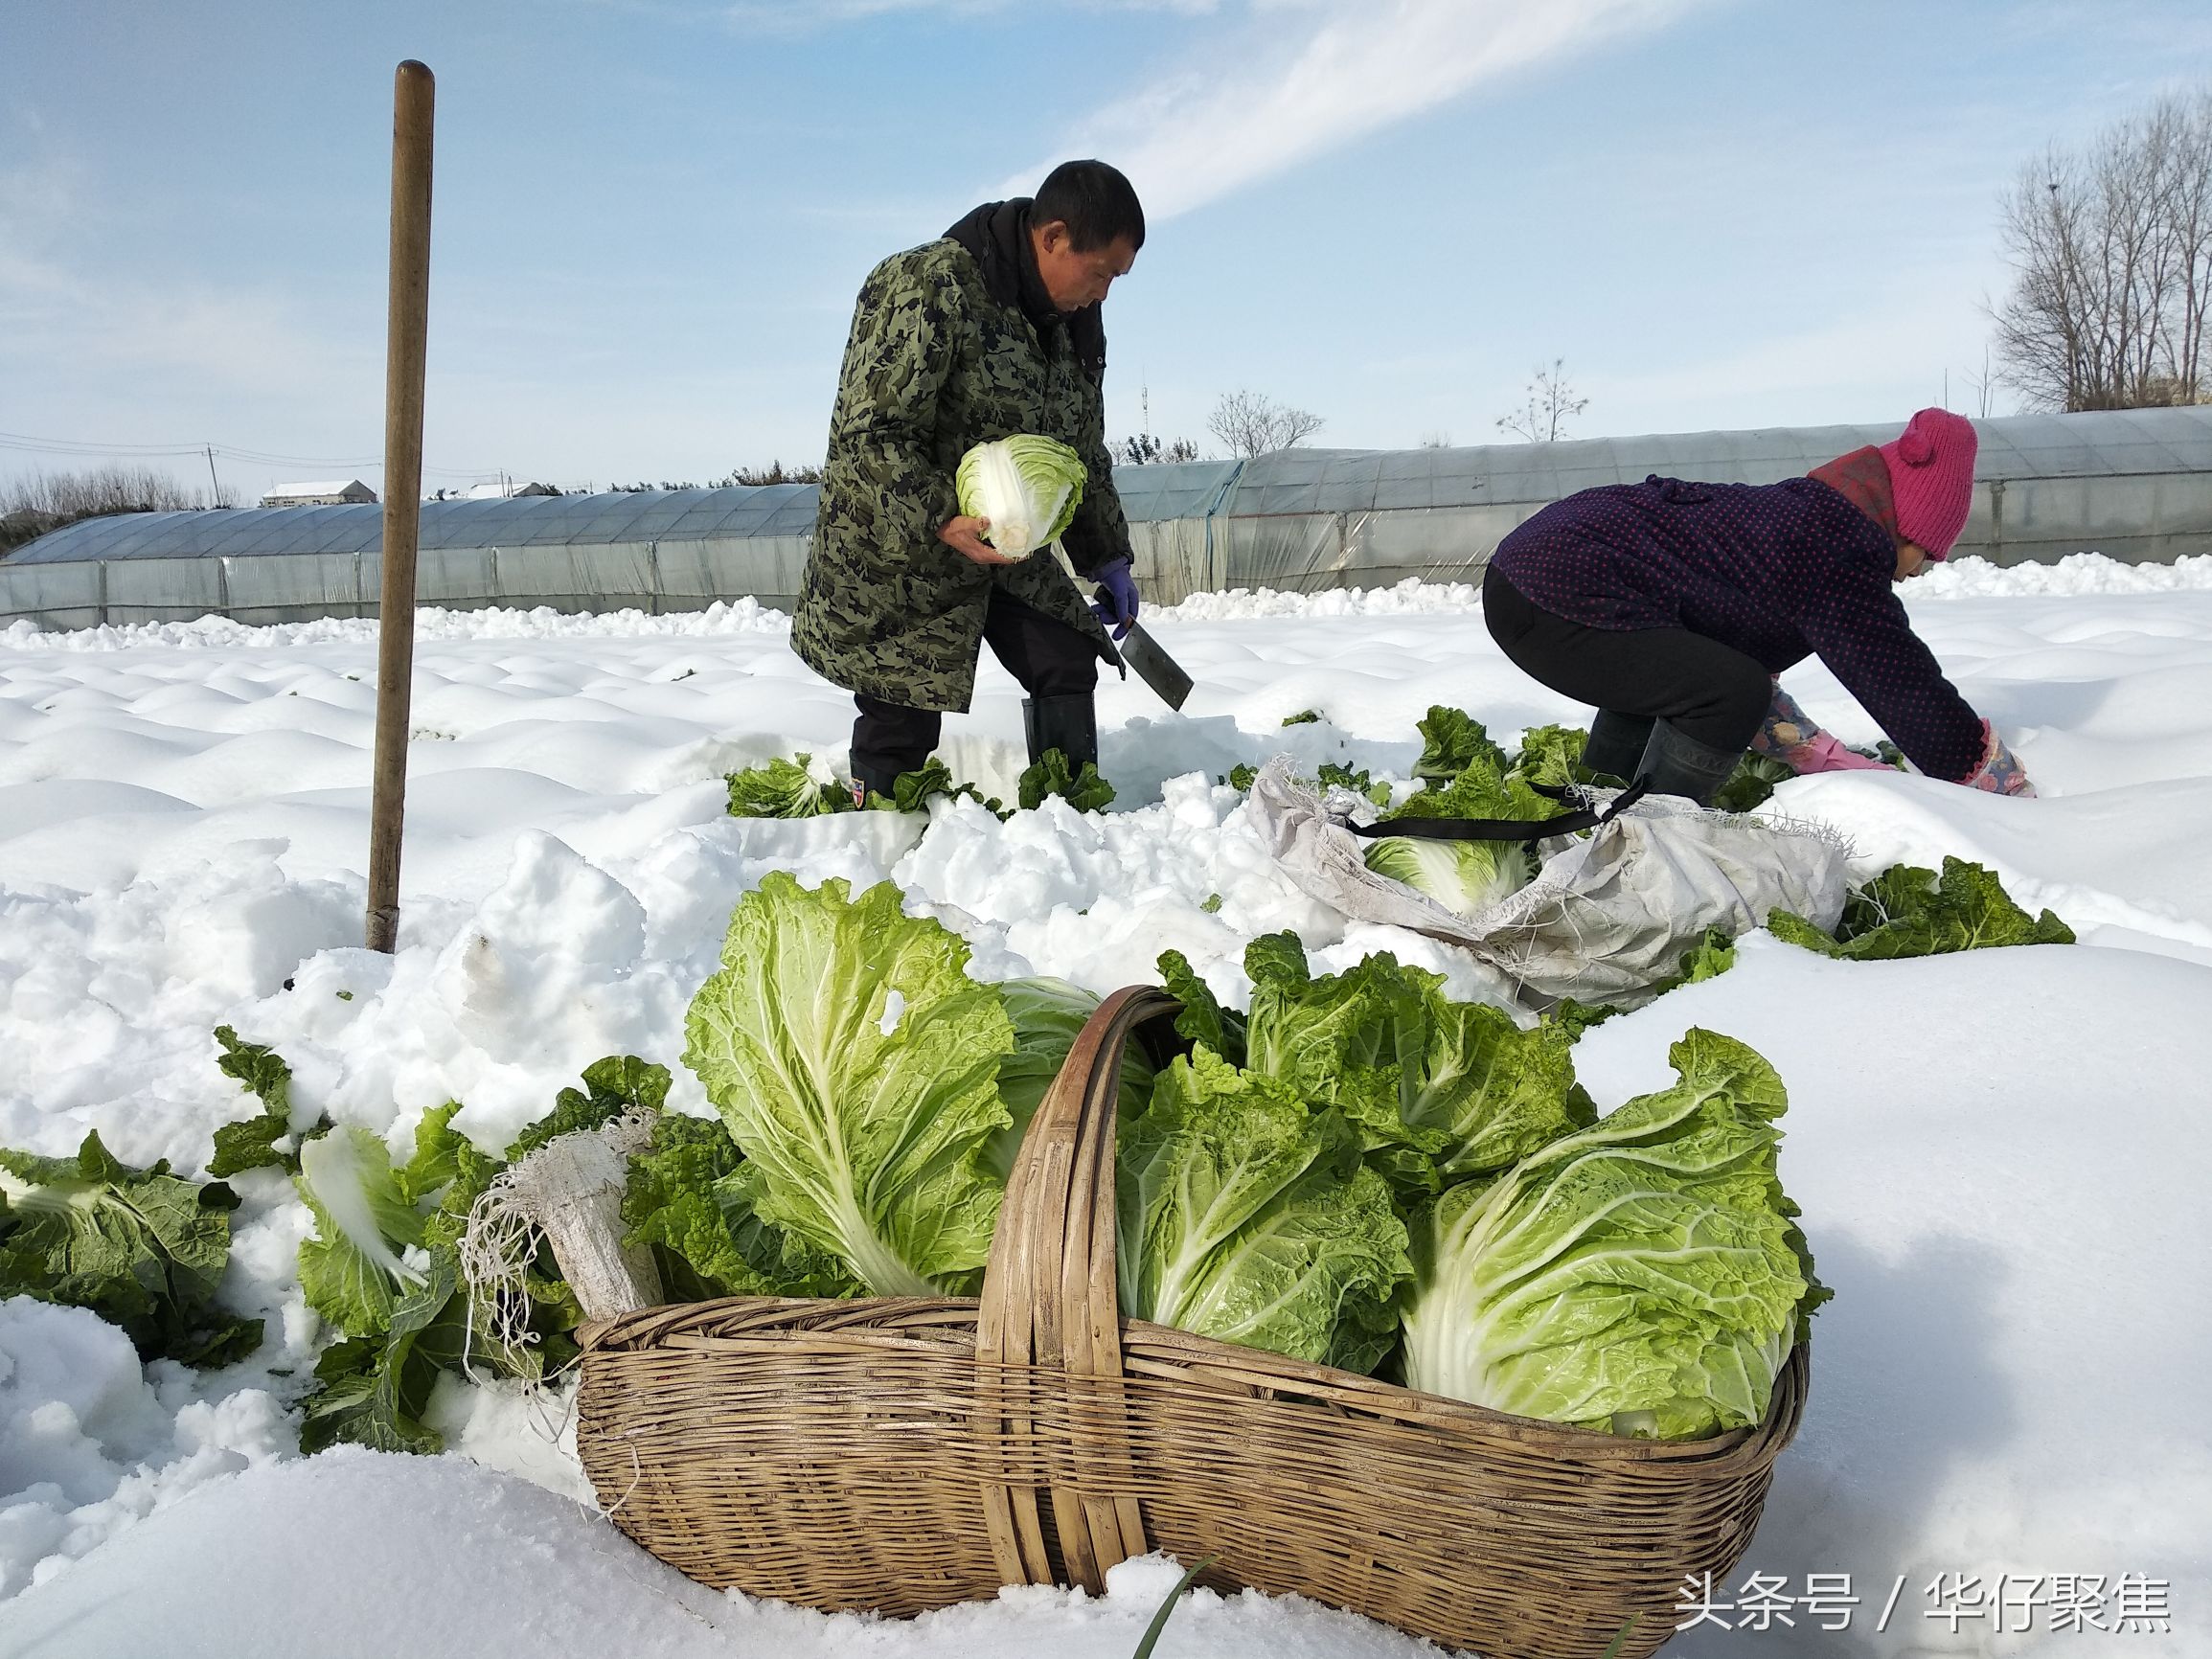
(857, 1066)
(1028, 488)
(1465, 877)
(1644, 1275)
(143, 1249)
(1245, 1214)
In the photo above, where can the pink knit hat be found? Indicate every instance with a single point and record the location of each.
(1931, 478)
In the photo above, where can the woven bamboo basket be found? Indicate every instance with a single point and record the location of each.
(905, 1454)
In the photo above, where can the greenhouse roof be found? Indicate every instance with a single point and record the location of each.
(1290, 480)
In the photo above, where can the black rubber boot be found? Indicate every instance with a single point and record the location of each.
(1617, 744)
(1675, 763)
(870, 780)
(1068, 723)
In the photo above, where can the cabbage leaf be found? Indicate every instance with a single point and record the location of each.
(857, 1066)
(1908, 911)
(144, 1249)
(1245, 1215)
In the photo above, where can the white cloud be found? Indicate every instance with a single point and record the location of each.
(1314, 74)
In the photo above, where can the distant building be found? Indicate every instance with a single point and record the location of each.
(348, 492)
(506, 492)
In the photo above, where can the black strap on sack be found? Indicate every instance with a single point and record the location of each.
(1503, 829)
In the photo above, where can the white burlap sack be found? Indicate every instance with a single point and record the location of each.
(1608, 914)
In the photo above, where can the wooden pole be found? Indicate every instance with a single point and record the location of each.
(406, 343)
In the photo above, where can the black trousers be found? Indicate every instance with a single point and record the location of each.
(1048, 657)
(1701, 688)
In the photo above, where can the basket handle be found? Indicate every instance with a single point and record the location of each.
(1051, 1303)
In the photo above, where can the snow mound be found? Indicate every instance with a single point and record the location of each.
(355, 1555)
(88, 1446)
(2077, 572)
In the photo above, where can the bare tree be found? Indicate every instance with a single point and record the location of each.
(1143, 449)
(1253, 423)
(2111, 254)
(30, 507)
(1437, 439)
(1551, 404)
(775, 472)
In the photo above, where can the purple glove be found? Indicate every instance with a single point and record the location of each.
(2000, 772)
(1117, 595)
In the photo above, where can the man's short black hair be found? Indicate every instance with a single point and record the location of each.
(1094, 201)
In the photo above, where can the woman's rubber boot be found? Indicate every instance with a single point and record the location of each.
(1676, 764)
(1617, 744)
(1068, 724)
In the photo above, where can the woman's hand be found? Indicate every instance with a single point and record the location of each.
(2000, 772)
(965, 536)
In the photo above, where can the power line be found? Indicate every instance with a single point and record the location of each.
(29, 444)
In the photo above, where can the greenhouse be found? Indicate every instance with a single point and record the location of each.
(2136, 485)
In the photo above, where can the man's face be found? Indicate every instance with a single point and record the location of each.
(1076, 280)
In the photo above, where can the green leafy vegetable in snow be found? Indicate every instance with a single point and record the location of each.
(783, 789)
(1360, 783)
(856, 1064)
(1451, 741)
(355, 1268)
(1553, 756)
(1084, 790)
(373, 1391)
(1907, 911)
(1752, 783)
(612, 1086)
(797, 789)
(1246, 1215)
(141, 1248)
(1028, 486)
(1643, 1275)
(265, 1141)
(912, 791)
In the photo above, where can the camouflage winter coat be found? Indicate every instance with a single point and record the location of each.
(934, 366)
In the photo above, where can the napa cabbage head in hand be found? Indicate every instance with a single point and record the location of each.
(1027, 488)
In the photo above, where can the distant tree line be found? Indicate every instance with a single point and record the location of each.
(45, 501)
(2110, 247)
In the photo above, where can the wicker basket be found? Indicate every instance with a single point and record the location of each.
(907, 1454)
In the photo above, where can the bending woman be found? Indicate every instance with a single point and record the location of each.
(1674, 606)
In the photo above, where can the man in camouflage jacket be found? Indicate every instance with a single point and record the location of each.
(991, 330)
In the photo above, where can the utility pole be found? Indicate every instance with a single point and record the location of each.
(407, 330)
(214, 487)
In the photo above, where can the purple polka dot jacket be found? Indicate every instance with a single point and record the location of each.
(1778, 570)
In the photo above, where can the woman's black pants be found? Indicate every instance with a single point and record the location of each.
(1706, 690)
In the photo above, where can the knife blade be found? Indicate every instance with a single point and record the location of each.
(1154, 666)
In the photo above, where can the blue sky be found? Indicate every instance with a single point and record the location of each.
(651, 215)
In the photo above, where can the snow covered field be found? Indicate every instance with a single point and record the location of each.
(2001, 1155)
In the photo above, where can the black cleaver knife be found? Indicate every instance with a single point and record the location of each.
(1154, 666)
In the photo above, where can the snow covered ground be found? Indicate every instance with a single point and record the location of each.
(2001, 1155)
